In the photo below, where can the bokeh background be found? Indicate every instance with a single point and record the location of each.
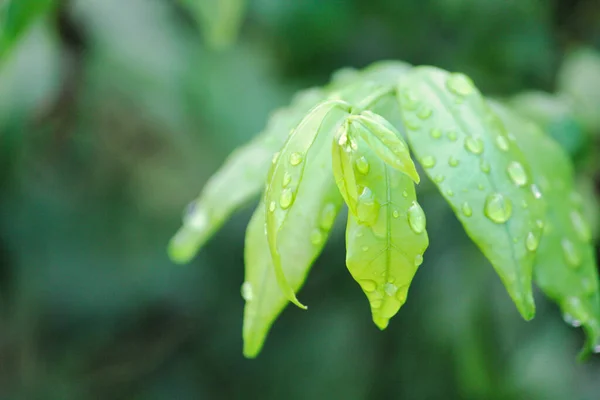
(113, 114)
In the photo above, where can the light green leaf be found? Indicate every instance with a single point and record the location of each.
(299, 184)
(240, 179)
(465, 150)
(565, 267)
(386, 242)
(343, 166)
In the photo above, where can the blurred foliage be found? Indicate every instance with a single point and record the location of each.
(114, 113)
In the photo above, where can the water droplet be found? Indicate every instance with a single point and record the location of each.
(425, 112)
(460, 84)
(418, 260)
(449, 193)
(376, 304)
(570, 252)
(539, 223)
(524, 204)
(395, 214)
(196, 218)
(427, 162)
(287, 179)
(484, 166)
(452, 135)
(502, 143)
(362, 165)
(416, 218)
(365, 248)
(295, 159)
(286, 199)
(316, 237)
(390, 289)
(275, 158)
(435, 133)
(516, 172)
(402, 293)
(474, 145)
(569, 319)
(581, 227)
(246, 290)
(536, 191)
(404, 194)
(368, 285)
(467, 210)
(412, 125)
(480, 187)
(439, 178)
(498, 208)
(272, 206)
(453, 161)
(328, 216)
(531, 241)
(367, 207)
(408, 100)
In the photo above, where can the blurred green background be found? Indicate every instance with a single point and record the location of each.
(114, 113)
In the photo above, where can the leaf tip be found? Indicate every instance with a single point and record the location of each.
(184, 245)
(380, 322)
(527, 307)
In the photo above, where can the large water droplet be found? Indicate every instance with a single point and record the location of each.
(435, 133)
(316, 237)
(474, 145)
(502, 143)
(428, 161)
(368, 285)
(453, 161)
(367, 207)
(516, 172)
(425, 112)
(570, 252)
(362, 165)
(460, 84)
(467, 210)
(418, 260)
(581, 227)
(497, 208)
(531, 242)
(246, 290)
(484, 166)
(286, 199)
(295, 158)
(328, 216)
(536, 191)
(390, 289)
(287, 179)
(416, 218)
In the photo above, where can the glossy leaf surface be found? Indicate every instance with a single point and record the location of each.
(467, 153)
(240, 179)
(565, 267)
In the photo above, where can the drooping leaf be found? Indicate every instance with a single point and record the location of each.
(386, 239)
(343, 166)
(299, 186)
(240, 179)
(465, 150)
(565, 267)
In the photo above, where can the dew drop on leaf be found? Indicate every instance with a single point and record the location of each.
(365, 248)
(439, 178)
(474, 145)
(368, 285)
(517, 174)
(416, 218)
(460, 84)
(418, 260)
(395, 214)
(404, 194)
(539, 223)
(502, 143)
(536, 191)
(390, 289)
(428, 162)
(570, 252)
(287, 179)
(362, 165)
(425, 112)
(246, 290)
(435, 133)
(498, 208)
(412, 125)
(275, 158)
(367, 208)
(272, 206)
(408, 100)
(286, 199)
(453, 161)
(449, 193)
(328, 216)
(295, 158)
(467, 210)
(580, 226)
(485, 167)
(316, 237)
(569, 319)
(452, 135)
(531, 242)
(376, 303)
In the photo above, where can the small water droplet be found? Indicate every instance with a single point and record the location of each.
(452, 135)
(569, 319)
(404, 194)
(570, 252)
(467, 210)
(416, 218)
(275, 158)
(536, 191)
(439, 178)
(480, 187)
(390, 289)
(516, 172)
(395, 214)
(474, 145)
(272, 206)
(408, 100)
(425, 112)
(453, 161)
(316, 237)
(449, 193)
(328, 216)
(365, 248)
(428, 161)
(581, 227)
(368, 285)
(287, 179)
(362, 165)
(376, 304)
(196, 218)
(418, 260)
(412, 125)
(295, 158)
(435, 133)
(498, 208)
(502, 143)
(286, 199)
(539, 223)
(531, 242)
(460, 84)
(484, 166)
(246, 290)
(402, 293)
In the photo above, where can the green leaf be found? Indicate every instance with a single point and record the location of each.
(465, 150)
(386, 241)
(16, 16)
(240, 179)
(299, 187)
(343, 166)
(565, 267)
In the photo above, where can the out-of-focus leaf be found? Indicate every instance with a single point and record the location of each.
(300, 190)
(565, 266)
(240, 179)
(16, 16)
(464, 148)
(387, 238)
(579, 78)
(219, 20)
